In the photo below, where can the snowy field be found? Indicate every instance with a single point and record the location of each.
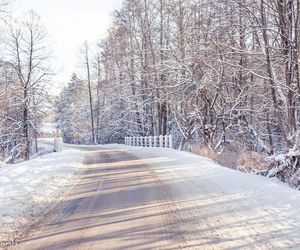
(32, 187)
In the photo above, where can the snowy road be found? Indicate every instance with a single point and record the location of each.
(162, 199)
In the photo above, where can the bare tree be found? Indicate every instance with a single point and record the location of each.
(221, 75)
(28, 57)
(85, 53)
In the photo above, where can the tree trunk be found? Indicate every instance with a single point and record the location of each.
(90, 91)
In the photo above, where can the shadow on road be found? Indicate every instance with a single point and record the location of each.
(123, 202)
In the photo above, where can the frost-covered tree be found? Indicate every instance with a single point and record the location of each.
(25, 73)
(72, 108)
(217, 74)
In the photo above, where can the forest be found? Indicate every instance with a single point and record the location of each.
(221, 76)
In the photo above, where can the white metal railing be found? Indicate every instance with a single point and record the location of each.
(163, 141)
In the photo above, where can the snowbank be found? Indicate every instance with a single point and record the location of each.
(226, 180)
(256, 188)
(30, 187)
(236, 179)
(245, 211)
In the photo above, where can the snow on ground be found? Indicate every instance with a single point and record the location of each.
(228, 203)
(261, 211)
(246, 210)
(30, 187)
(231, 180)
(225, 179)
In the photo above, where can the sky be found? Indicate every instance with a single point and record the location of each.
(69, 23)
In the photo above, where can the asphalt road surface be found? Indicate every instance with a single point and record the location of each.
(124, 201)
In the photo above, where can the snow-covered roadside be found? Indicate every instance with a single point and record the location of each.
(30, 187)
(231, 206)
(229, 179)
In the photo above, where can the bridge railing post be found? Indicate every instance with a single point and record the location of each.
(166, 139)
(161, 141)
(155, 141)
(170, 141)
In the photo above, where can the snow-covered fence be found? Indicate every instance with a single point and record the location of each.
(58, 141)
(58, 144)
(163, 141)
